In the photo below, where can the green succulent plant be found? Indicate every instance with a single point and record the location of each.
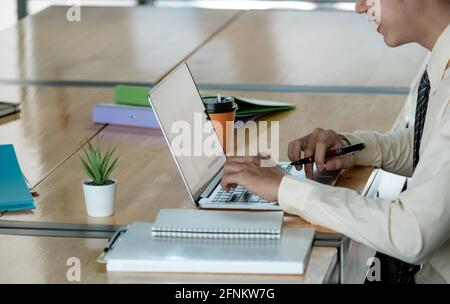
(98, 166)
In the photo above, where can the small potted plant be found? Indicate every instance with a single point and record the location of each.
(99, 189)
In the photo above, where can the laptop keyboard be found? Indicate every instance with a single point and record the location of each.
(241, 195)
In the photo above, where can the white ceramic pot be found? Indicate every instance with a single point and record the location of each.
(99, 200)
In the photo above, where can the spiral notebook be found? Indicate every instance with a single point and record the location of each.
(133, 249)
(187, 223)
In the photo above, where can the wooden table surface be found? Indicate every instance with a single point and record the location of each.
(254, 47)
(28, 259)
(142, 45)
(304, 48)
(147, 175)
(53, 123)
(109, 44)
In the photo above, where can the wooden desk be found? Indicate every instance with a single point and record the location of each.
(26, 259)
(109, 44)
(258, 50)
(149, 180)
(304, 48)
(53, 123)
(140, 44)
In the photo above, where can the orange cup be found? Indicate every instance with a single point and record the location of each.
(222, 112)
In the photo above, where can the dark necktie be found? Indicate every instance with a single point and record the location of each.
(421, 113)
(406, 272)
(394, 270)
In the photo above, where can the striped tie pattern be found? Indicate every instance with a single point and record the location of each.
(405, 271)
(421, 113)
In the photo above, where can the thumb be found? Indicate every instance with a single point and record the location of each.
(339, 163)
(334, 164)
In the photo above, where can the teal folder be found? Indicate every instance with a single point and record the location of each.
(14, 193)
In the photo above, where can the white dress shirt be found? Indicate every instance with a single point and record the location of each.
(415, 227)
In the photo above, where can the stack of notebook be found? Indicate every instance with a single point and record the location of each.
(188, 223)
(201, 241)
(131, 108)
(14, 193)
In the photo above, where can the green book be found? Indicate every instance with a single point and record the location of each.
(250, 107)
(137, 96)
(131, 96)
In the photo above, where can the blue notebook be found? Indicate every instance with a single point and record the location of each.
(14, 193)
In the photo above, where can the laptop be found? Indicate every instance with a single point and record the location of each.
(175, 100)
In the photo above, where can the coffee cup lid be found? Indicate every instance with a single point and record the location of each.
(226, 104)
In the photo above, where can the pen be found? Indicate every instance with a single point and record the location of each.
(332, 153)
(114, 239)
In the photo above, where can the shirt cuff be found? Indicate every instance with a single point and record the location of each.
(293, 195)
(371, 155)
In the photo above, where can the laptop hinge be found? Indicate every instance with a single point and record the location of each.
(209, 186)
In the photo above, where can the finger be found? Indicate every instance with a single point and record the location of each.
(291, 149)
(298, 167)
(310, 150)
(231, 167)
(232, 186)
(339, 163)
(309, 167)
(337, 145)
(295, 150)
(319, 155)
(315, 135)
(334, 164)
(322, 147)
(231, 180)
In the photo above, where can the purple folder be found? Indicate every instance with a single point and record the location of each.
(124, 115)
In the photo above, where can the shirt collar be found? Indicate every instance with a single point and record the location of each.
(440, 57)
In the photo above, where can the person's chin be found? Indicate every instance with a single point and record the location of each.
(390, 40)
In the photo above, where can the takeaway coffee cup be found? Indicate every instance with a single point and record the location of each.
(222, 112)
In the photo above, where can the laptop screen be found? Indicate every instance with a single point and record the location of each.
(190, 135)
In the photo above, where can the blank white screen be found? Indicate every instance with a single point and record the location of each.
(177, 99)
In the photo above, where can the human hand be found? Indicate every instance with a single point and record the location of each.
(318, 143)
(248, 172)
